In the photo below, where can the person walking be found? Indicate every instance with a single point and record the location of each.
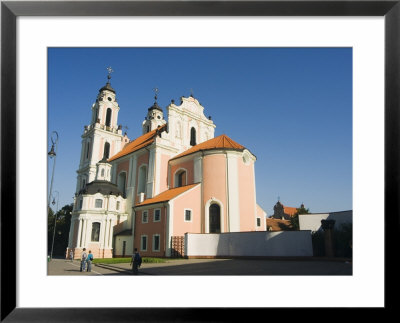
(83, 260)
(89, 261)
(136, 261)
(71, 255)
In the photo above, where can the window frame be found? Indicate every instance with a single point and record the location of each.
(147, 216)
(184, 215)
(95, 203)
(153, 243)
(141, 242)
(258, 222)
(154, 215)
(99, 231)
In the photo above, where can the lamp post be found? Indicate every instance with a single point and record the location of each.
(55, 221)
(52, 153)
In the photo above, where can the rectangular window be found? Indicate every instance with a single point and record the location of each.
(188, 215)
(156, 242)
(143, 243)
(145, 217)
(80, 204)
(117, 205)
(258, 222)
(98, 203)
(157, 215)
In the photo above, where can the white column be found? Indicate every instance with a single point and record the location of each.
(150, 175)
(79, 242)
(106, 237)
(198, 170)
(110, 235)
(84, 232)
(233, 193)
(71, 231)
(102, 233)
(157, 167)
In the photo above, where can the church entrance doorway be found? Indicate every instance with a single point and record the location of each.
(215, 218)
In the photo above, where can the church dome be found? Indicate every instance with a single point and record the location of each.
(155, 106)
(107, 87)
(103, 187)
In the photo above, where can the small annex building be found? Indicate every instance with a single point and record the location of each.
(175, 178)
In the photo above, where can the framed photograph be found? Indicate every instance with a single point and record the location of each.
(370, 29)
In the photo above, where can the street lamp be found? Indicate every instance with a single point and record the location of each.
(55, 221)
(52, 153)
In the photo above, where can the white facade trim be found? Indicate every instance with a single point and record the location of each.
(233, 193)
(169, 228)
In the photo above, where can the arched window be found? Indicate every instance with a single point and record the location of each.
(122, 182)
(142, 179)
(215, 218)
(108, 117)
(192, 136)
(180, 178)
(96, 231)
(106, 150)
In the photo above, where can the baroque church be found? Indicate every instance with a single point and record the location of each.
(175, 178)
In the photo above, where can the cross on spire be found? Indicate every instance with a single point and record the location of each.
(155, 93)
(110, 70)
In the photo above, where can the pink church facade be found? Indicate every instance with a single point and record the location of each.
(175, 178)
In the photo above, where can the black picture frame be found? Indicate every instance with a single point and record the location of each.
(10, 10)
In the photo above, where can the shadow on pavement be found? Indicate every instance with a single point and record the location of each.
(242, 267)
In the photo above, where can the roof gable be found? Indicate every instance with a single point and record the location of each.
(220, 142)
(167, 195)
(140, 142)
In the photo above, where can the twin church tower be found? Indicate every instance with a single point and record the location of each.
(175, 178)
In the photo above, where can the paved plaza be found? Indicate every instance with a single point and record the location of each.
(215, 267)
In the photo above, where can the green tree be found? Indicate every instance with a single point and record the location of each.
(61, 235)
(294, 220)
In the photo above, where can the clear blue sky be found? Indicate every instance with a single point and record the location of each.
(291, 107)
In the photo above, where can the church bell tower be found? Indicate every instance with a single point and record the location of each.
(103, 137)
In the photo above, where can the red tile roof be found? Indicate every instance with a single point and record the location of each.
(289, 210)
(140, 142)
(220, 142)
(278, 225)
(168, 194)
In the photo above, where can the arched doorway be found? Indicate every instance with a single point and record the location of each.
(215, 218)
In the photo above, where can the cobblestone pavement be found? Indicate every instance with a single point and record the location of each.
(216, 267)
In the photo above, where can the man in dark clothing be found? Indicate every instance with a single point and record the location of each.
(136, 261)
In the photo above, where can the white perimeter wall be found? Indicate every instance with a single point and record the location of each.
(313, 221)
(253, 244)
